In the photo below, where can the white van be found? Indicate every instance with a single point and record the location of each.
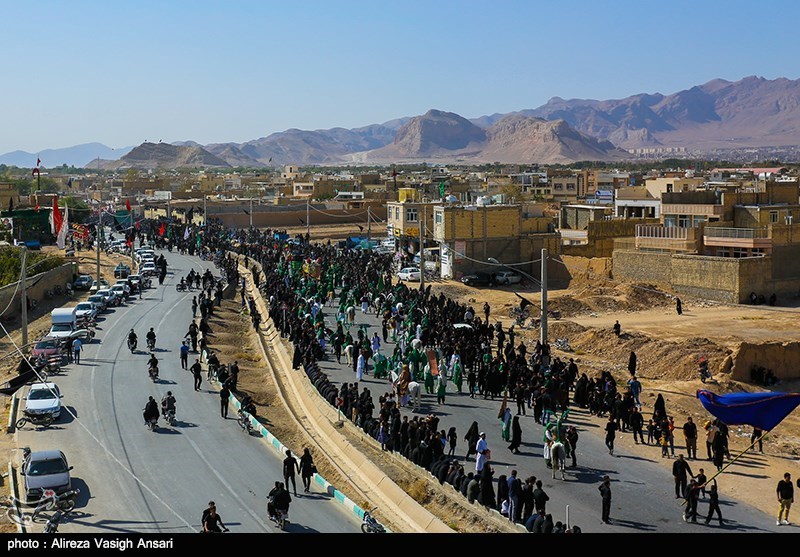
(63, 322)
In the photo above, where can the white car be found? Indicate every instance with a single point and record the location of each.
(507, 277)
(122, 291)
(148, 268)
(86, 310)
(411, 274)
(98, 286)
(43, 398)
(111, 297)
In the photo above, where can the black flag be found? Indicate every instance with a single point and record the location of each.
(524, 302)
(10, 204)
(69, 183)
(189, 214)
(246, 212)
(301, 220)
(361, 228)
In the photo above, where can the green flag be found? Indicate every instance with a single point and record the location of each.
(441, 188)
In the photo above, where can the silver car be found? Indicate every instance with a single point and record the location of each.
(45, 470)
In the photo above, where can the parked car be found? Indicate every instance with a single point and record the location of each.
(83, 282)
(411, 274)
(43, 398)
(507, 277)
(479, 278)
(122, 271)
(111, 297)
(45, 470)
(121, 290)
(99, 285)
(98, 301)
(135, 281)
(149, 269)
(86, 335)
(86, 310)
(46, 347)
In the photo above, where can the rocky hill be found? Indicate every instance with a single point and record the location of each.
(164, 155)
(444, 136)
(752, 112)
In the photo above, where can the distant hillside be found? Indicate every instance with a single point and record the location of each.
(444, 136)
(752, 112)
(164, 155)
(77, 155)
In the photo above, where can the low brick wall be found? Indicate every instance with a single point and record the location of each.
(37, 285)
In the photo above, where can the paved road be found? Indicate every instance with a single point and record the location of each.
(135, 480)
(643, 497)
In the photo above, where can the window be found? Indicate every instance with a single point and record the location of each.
(397, 214)
(684, 221)
(411, 214)
(723, 252)
(558, 186)
(570, 187)
(740, 252)
(697, 219)
(669, 220)
(773, 216)
(439, 218)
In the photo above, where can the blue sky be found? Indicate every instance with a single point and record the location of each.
(120, 72)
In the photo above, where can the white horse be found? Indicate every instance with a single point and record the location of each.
(558, 458)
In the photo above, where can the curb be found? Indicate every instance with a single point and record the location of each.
(12, 413)
(317, 478)
(14, 493)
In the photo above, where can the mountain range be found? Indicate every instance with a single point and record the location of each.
(719, 115)
(77, 155)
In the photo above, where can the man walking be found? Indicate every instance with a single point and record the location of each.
(605, 495)
(197, 371)
(785, 493)
(514, 494)
(690, 434)
(224, 396)
(681, 473)
(713, 503)
(692, 495)
(611, 433)
(76, 350)
(572, 439)
(637, 423)
(540, 498)
(290, 466)
(184, 355)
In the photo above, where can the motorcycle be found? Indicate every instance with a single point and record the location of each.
(152, 424)
(371, 526)
(152, 371)
(132, 345)
(43, 420)
(180, 287)
(151, 344)
(169, 415)
(244, 422)
(280, 517)
(65, 502)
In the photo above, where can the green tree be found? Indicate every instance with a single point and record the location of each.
(79, 211)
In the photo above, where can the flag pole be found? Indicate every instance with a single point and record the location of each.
(738, 456)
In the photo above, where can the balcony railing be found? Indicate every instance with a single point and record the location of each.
(750, 233)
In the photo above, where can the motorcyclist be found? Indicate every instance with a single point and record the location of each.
(151, 337)
(281, 500)
(132, 339)
(183, 283)
(150, 411)
(168, 403)
(271, 500)
(248, 405)
(152, 365)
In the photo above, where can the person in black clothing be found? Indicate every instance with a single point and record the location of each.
(713, 503)
(680, 470)
(605, 495)
(197, 371)
(572, 439)
(692, 495)
(290, 466)
(224, 396)
(486, 310)
(516, 435)
(617, 328)
(540, 498)
(637, 423)
(212, 522)
(307, 469)
(611, 433)
(756, 436)
(785, 493)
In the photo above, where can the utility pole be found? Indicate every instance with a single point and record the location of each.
(369, 225)
(543, 329)
(308, 218)
(205, 210)
(97, 235)
(251, 210)
(24, 309)
(422, 247)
